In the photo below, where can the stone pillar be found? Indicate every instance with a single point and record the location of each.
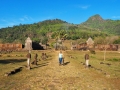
(28, 44)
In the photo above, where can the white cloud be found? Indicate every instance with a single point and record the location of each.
(116, 17)
(26, 18)
(83, 6)
(14, 21)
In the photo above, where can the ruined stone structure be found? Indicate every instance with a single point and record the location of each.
(109, 47)
(10, 46)
(90, 43)
(82, 46)
(28, 44)
(74, 47)
(101, 47)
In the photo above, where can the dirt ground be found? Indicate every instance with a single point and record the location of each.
(48, 75)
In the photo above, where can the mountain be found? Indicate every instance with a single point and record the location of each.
(38, 32)
(98, 23)
(35, 31)
(95, 26)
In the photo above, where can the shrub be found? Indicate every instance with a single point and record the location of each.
(8, 55)
(114, 59)
(92, 51)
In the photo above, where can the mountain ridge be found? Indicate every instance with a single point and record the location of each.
(109, 26)
(93, 27)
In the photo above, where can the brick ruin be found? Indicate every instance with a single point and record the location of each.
(10, 46)
(89, 44)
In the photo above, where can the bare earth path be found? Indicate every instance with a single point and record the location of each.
(48, 75)
(72, 76)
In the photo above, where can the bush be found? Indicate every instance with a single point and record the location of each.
(8, 55)
(114, 59)
(92, 51)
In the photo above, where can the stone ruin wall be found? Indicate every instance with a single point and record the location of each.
(110, 47)
(10, 46)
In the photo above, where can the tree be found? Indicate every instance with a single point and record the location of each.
(117, 41)
(60, 36)
(106, 41)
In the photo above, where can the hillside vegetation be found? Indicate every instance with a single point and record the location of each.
(94, 27)
(108, 26)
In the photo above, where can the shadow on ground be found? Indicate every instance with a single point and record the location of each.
(65, 63)
(40, 65)
(7, 61)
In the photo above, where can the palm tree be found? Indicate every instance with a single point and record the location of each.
(60, 36)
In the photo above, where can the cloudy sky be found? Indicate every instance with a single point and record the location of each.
(15, 12)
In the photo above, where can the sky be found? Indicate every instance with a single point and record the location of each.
(16, 12)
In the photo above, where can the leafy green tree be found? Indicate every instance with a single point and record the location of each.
(117, 41)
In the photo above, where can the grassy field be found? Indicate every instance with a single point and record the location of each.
(48, 75)
(110, 65)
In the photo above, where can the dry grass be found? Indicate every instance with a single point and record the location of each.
(110, 65)
(48, 75)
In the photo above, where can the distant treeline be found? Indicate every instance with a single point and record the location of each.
(50, 29)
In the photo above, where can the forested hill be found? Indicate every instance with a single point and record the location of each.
(98, 23)
(35, 31)
(95, 26)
